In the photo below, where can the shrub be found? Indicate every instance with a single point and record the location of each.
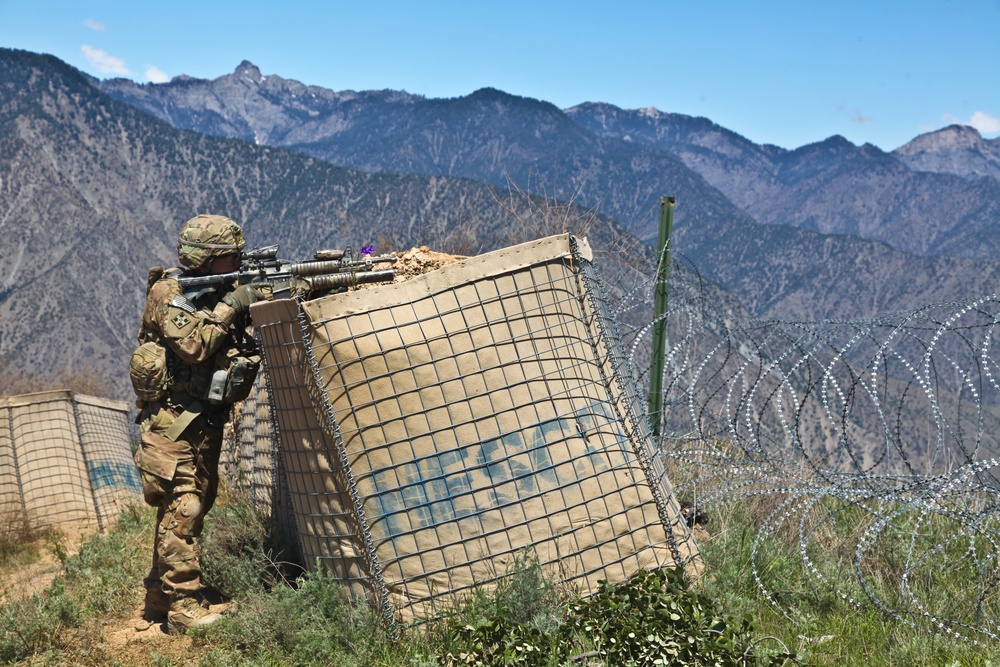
(240, 555)
(310, 623)
(105, 574)
(655, 618)
(520, 622)
(29, 626)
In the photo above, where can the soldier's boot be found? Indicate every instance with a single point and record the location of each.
(157, 603)
(155, 607)
(186, 613)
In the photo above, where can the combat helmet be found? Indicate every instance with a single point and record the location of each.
(206, 236)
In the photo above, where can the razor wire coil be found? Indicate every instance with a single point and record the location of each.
(892, 421)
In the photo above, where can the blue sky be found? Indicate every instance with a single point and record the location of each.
(787, 73)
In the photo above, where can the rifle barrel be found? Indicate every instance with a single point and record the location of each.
(313, 268)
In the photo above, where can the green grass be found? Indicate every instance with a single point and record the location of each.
(281, 615)
(812, 616)
(97, 582)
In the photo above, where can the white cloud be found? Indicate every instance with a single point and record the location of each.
(860, 118)
(155, 75)
(95, 25)
(985, 123)
(982, 121)
(104, 61)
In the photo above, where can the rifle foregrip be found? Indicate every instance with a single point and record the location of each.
(314, 268)
(337, 280)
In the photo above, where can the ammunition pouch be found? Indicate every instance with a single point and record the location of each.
(233, 377)
(149, 371)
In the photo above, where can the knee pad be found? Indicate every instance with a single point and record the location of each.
(188, 515)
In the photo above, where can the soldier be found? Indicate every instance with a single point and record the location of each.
(185, 408)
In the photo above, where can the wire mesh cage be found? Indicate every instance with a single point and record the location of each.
(433, 429)
(65, 458)
(251, 460)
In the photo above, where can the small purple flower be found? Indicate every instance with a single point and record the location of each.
(367, 250)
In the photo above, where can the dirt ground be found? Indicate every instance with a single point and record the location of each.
(32, 569)
(134, 640)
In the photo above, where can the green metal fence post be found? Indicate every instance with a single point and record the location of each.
(659, 312)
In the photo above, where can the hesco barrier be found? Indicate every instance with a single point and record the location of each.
(65, 458)
(250, 460)
(432, 429)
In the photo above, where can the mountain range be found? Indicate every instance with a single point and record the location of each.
(96, 178)
(937, 195)
(93, 192)
(829, 230)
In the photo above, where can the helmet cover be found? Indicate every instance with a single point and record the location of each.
(206, 236)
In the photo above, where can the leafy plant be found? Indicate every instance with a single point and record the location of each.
(657, 618)
(310, 623)
(521, 621)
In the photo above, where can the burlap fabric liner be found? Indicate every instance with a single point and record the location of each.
(105, 438)
(324, 521)
(480, 416)
(247, 456)
(70, 465)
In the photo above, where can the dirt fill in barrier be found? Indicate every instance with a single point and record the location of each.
(65, 458)
(433, 429)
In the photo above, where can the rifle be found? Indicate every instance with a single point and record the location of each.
(260, 267)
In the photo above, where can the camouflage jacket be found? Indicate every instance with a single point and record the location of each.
(194, 332)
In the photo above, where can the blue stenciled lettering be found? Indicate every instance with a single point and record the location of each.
(509, 468)
(114, 474)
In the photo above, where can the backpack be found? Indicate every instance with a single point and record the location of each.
(149, 371)
(149, 368)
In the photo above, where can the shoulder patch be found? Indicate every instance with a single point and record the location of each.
(183, 303)
(181, 320)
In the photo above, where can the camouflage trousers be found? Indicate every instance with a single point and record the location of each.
(181, 479)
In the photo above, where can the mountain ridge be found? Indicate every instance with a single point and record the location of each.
(493, 136)
(830, 186)
(94, 191)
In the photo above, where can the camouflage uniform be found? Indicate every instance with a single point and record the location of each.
(179, 467)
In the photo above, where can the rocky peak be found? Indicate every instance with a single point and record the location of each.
(956, 149)
(250, 71)
(836, 142)
(834, 146)
(950, 138)
(489, 94)
(650, 112)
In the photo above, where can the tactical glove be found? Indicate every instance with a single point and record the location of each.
(241, 298)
